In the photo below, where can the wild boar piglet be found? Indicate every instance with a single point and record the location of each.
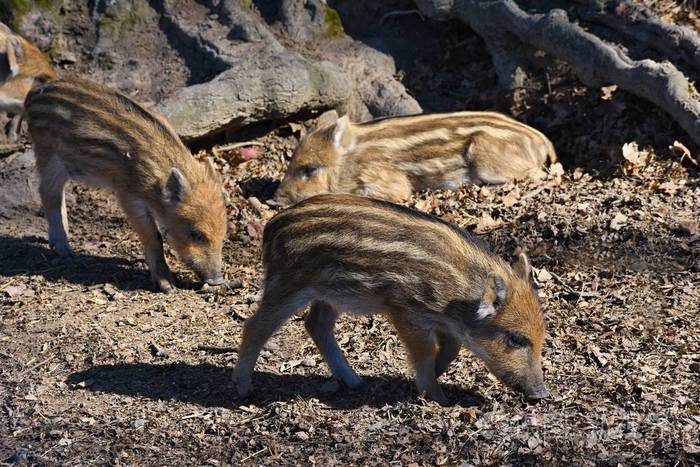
(83, 131)
(22, 66)
(439, 287)
(389, 158)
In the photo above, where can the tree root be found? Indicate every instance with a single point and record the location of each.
(637, 22)
(594, 62)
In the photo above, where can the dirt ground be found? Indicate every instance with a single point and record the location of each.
(98, 369)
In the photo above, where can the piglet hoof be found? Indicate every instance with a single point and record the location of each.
(438, 396)
(354, 382)
(165, 286)
(63, 251)
(242, 387)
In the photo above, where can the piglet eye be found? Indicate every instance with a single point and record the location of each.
(515, 340)
(197, 236)
(308, 170)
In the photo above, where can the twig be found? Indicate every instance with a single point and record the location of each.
(562, 283)
(255, 454)
(535, 192)
(228, 147)
(34, 367)
(216, 350)
(7, 284)
(193, 415)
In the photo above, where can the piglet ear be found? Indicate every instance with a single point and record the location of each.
(211, 170)
(493, 297)
(326, 119)
(521, 267)
(176, 187)
(302, 133)
(343, 139)
(15, 54)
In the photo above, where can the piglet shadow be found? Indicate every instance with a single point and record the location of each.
(31, 256)
(262, 188)
(212, 386)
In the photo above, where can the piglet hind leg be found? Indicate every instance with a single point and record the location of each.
(53, 177)
(275, 309)
(422, 349)
(319, 323)
(142, 222)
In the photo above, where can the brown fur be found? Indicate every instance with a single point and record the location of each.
(392, 157)
(436, 284)
(87, 132)
(22, 66)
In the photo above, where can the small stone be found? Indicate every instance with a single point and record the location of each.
(301, 435)
(138, 423)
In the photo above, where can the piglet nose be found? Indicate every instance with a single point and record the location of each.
(540, 392)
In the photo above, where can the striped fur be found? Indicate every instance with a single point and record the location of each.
(22, 66)
(438, 286)
(83, 131)
(390, 158)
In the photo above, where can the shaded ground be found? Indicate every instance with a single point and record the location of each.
(97, 369)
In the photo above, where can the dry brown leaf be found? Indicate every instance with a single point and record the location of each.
(683, 152)
(556, 170)
(606, 92)
(618, 222)
(692, 449)
(542, 275)
(512, 197)
(635, 159)
(689, 226)
(426, 205)
(669, 187)
(487, 224)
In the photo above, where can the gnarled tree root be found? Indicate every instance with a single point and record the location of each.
(594, 62)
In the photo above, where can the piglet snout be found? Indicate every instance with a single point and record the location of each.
(540, 392)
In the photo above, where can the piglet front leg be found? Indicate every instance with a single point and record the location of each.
(143, 223)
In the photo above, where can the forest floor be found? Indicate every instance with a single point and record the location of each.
(98, 369)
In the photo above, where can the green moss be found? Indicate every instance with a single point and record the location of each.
(333, 24)
(246, 4)
(12, 11)
(120, 20)
(53, 6)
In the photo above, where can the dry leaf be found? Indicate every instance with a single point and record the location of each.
(255, 229)
(487, 224)
(426, 205)
(634, 158)
(606, 92)
(669, 187)
(692, 449)
(689, 226)
(543, 275)
(619, 221)
(512, 197)
(14, 290)
(557, 170)
(683, 152)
